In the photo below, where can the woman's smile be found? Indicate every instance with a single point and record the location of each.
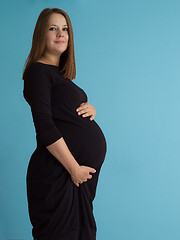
(59, 41)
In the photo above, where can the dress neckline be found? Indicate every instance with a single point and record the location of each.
(56, 67)
(48, 64)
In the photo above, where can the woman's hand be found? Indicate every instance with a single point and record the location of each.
(87, 110)
(81, 174)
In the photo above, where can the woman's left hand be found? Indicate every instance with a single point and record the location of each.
(87, 110)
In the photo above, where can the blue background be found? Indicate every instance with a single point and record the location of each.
(128, 63)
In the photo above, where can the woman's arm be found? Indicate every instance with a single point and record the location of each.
(60, 151)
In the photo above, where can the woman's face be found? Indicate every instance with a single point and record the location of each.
(57, 34)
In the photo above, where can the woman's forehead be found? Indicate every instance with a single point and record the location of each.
(57, 19)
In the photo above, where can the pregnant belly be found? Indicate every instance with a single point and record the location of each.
(87, 143)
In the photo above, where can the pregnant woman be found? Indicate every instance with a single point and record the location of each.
(63, 171)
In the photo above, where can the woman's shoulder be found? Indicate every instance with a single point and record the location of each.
(37, 69)
(37, 66)
(47, 72)
(40, 66)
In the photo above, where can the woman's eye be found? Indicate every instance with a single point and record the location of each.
(51, 28)
(66, 29)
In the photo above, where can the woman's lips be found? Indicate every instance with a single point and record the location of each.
(59, 41)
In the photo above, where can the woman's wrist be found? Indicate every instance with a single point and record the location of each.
(73, 168)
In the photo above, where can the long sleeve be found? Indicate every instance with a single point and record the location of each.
(37, 92)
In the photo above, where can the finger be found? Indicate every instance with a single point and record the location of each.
(76, 183)
(92, 170)
(92, 117)
(82, 106)
(82, 110)
(90, 176)
(87, 114)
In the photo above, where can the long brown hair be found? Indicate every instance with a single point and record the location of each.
(67, 62)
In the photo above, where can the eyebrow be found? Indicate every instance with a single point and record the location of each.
(56, 25)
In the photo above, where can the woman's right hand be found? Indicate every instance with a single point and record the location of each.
(81, 174)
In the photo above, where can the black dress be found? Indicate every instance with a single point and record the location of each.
(58, 209)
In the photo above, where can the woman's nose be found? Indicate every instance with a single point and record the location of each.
(60, 33)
